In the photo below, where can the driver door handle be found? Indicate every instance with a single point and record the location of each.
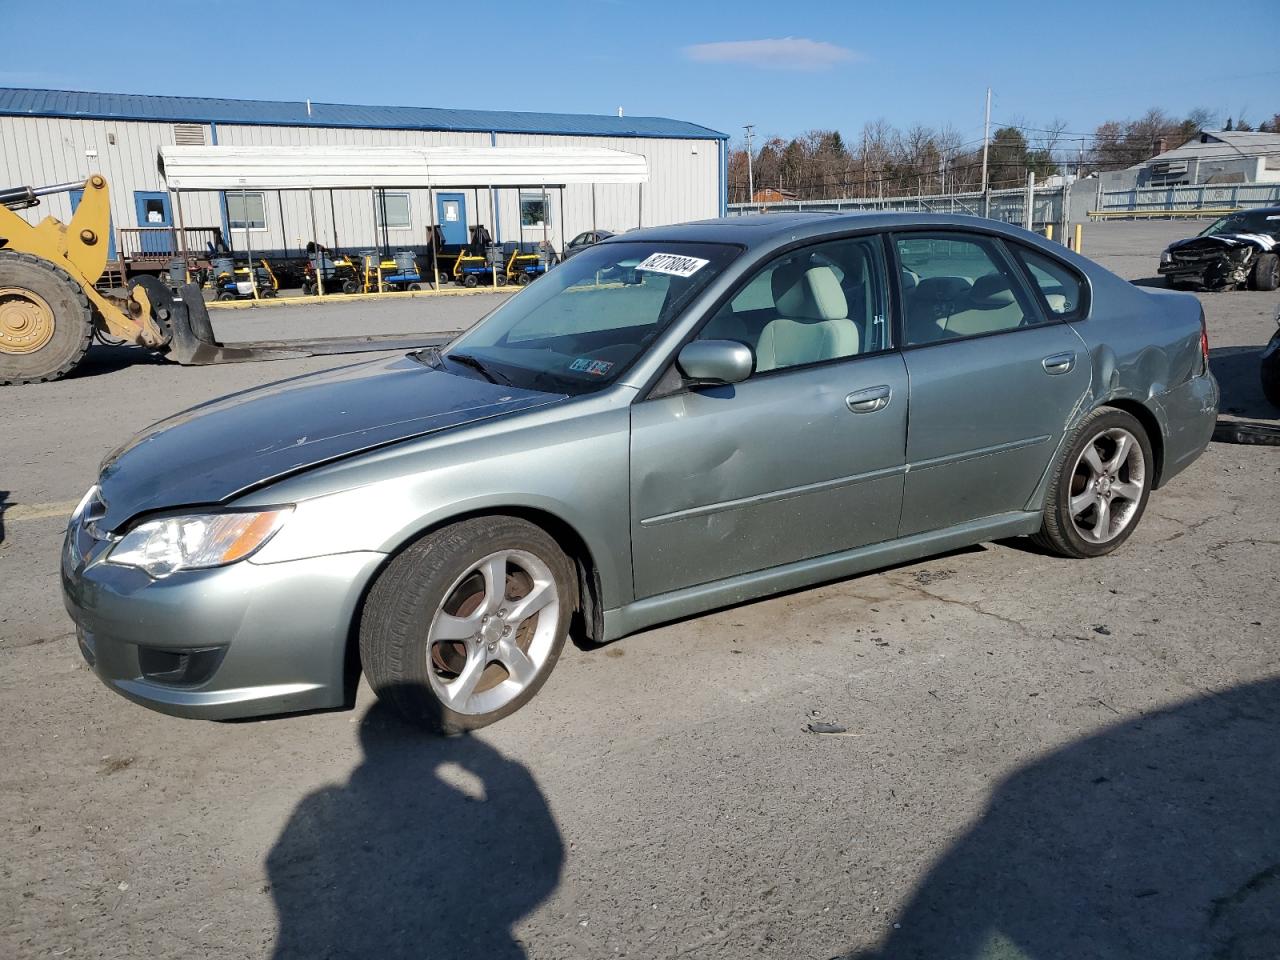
(1058, 363)
(869, 400)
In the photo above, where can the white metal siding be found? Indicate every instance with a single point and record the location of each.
(683, 180)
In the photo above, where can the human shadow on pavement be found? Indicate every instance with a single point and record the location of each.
(433, 849)
(1157, 838)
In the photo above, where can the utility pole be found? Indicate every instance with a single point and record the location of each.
(751, 177)
(986, 140)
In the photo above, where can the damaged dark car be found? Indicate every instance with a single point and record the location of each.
(1240, 249)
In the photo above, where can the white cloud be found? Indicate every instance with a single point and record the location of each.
(783, 53)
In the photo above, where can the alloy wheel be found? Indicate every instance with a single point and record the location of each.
(1107, 484)
(494, 632)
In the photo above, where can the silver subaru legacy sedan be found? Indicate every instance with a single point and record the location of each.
(677, 419)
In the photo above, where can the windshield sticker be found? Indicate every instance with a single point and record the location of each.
(673, 264)
(594, 368)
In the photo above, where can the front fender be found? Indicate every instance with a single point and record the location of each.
(572, 467)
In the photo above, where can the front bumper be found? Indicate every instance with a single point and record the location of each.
(243, 640)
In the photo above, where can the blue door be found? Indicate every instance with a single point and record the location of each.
(451, 214)
(153, 211)
(111, 230)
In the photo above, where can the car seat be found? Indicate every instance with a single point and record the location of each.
(813, 320)
(990, 305)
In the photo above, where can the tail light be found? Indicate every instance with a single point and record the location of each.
(1204, 343)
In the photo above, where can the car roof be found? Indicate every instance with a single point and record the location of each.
(767, 229)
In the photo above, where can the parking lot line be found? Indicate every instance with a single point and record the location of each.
(37, 511)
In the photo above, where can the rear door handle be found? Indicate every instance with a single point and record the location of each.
(869, 400)
(1058, 363)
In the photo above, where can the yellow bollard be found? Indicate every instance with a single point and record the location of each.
(1079, 236)
(1048, 231)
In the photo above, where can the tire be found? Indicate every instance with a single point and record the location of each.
(470, 280)
(413, 670)
(1266, 272)
(45, 320)
(522, 279)
(414, 287)
(350, 286)
(501, 280)
(444, 278)
(227, 295)
(267, 293)
(1124, 489)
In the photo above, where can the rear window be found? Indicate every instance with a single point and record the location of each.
(1062, 290)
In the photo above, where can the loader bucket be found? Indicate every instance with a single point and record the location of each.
(193, 342)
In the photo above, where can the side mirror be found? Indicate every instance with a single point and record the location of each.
(711, 362)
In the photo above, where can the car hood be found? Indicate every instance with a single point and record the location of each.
(1225, 241)
(223, 448)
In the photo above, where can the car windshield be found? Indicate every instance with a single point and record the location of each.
(1247, 221)
(585, 322)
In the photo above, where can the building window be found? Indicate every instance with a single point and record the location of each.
(393, 211)
(246, 211)
(535, 210)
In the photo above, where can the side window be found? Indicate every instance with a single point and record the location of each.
(959, 285)
(818, 303)
(1062, 288)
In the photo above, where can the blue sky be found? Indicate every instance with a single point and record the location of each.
(785, 66)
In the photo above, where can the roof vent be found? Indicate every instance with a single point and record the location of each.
(189, 134)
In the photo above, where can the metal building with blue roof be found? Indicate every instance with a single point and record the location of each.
(55, 136)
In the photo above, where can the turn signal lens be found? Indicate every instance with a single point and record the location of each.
(167, 545)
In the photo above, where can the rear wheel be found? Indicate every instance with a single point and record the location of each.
(267, 293)
(415, 287)
(501, 280)
(45, 320)
(350, 286)
(463, 627)
(444, 277)
(522, 279)
(1266, 272)
(1100, 489)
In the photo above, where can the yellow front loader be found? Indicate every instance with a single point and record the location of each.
(50, 309)
(49, 305)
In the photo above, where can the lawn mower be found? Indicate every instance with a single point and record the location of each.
(337, 271)
(481, 262)
(397, 272)
(230, 282)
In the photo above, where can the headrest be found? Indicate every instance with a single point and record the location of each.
(909, 280)
(991, 290)
(809, 294)
(942, 288)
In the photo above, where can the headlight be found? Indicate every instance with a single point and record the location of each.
(1166, 257)
(164, 546)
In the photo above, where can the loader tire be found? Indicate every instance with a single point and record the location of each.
(45, 320)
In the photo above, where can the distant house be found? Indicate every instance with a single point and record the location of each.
(1222, 156)
(773, 195)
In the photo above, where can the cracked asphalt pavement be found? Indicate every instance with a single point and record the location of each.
(1040, 757)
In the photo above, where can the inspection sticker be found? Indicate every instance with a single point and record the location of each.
(595, 368)
(673, 264)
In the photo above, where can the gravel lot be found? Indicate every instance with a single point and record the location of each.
(1044, 758)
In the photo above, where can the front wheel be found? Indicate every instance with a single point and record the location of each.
(463, 627)
(1100, 489)
(1266, 272)
(470, 280)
